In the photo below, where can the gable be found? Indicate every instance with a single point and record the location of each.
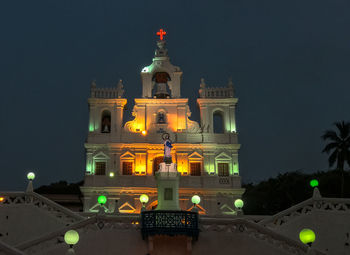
(201, 210)
(127, 155)
(126, 208)
(225, 209)
(101, 155)
(223, 156)
(195, 155)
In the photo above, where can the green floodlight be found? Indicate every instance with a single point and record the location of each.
(71, 237)
(307, 236)
(196, 199)
(144, 199)
(314, 183)
(30, 176)
(239, 203)
(102, 199)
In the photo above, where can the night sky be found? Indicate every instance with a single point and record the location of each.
(289, 61)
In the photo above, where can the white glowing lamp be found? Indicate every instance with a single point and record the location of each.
(196, 199)
(30, 176)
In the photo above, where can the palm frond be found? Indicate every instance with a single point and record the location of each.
(331, 135)
(333, 158)
(344, 129)
(330, 146)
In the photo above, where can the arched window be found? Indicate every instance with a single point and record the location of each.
(161, 88)
(218, 122)
(161, 118)
(106, 122)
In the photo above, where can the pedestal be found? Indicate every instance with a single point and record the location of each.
(167, 179)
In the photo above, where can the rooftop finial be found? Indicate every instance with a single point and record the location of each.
(120, 90)
(230, 83)
(93, 84)
(202, 85)
(120, 84)
(161, 33)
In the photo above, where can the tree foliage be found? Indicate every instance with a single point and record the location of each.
(61, 187)
(277, 194)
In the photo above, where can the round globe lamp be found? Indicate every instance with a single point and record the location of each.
(102, 199)
(314, 183)
(144, 199)
(71, 237)
(307, 236)
(196, 199)
(239, 203)
(30, 176)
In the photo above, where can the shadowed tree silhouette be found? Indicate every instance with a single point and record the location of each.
(276, 194)
(338, 148)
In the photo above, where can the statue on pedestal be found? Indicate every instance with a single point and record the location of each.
(167, 148)
(167, 165)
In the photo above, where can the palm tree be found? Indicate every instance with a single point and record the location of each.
(338, 147)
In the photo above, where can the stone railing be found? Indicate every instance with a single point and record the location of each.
(156, 221)
(95, 223)
(31, 198)
(5, 249)
(257, 232)
(216, 92)
(323, 204)
(204, 181)
(106, 93)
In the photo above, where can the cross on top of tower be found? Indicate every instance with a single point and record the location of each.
(160, 33)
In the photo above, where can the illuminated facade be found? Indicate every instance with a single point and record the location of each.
(121, 159)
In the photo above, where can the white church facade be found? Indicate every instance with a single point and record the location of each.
(123, 184)
(121, 159)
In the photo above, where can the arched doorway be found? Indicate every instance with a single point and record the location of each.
(156, 162)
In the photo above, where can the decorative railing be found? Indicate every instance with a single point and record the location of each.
(306, 207)
(256, 232)
(92, 224)
(34, 199)
(6, 249)
(169, 223)
(106, 93)
(216, 92)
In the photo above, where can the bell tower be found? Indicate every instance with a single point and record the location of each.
(161, 75)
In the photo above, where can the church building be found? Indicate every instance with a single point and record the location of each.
(121, 159)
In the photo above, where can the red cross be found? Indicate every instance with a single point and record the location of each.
(161, 32)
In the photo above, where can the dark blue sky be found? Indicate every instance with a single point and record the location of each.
(289, 61)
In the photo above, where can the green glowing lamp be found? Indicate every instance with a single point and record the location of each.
(102, 199)
(111, 174)
(71, 237)
(196, 199)
(30, 176)
(144, 199)
(239, 203)
(307, 236)
(314, 183)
